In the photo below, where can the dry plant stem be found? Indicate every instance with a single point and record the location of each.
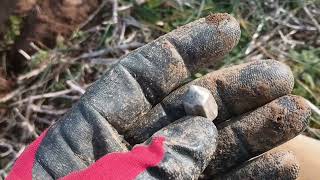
(10, 95)
(27, 124)
(75, 87)
(314, 108)
(38, 109)
(316, 23)
(115, 11)
(32, 73)
(41, 96)
(94, 14)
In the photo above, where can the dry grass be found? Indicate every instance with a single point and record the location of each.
(287, 31)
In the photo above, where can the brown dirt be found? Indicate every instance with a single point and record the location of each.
(274, 124)
(24, 6)
(13, 7)
(272, 165)
(5, 85)
(217, 18)
(6, 8)
(48, 20)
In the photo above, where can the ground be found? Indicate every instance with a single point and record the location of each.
(51, 75)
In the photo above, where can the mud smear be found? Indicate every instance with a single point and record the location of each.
(256, 132)
(272, 165)
(217, 18)
(202, 44)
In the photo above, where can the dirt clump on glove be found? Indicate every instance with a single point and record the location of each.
(217, 18)
(272, 165)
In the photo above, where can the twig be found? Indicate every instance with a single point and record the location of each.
(103, 61)
(130, 38)
(140, 2)
(75, 87)
(125, 7)
(252, 44)
(38, 109)
(122, 33)
(25, 122)
(296, 27)
(289, 41)
(90, 18)
(265, 52)
(35, 47)
(314, 108)
(41, 96)
(314, 132)
(261, 41)
(11, 95)
(32, 73)
(28, 109)
(307, 89)
(200, 9)
(305, 8)
(24, 54)
(114, 11)
(17, 112)
(108, 50)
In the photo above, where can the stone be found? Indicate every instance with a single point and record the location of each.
(199, 101)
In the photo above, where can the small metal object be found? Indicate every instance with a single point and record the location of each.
(199, 101)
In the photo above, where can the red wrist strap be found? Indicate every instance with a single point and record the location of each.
(123, 166)
(22, 168)
(120, 166)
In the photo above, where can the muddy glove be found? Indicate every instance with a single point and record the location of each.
(256, 114)
(181, 150)
(143, 93)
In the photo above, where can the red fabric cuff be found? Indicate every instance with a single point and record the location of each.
(22, 168)
(120, 166)
(123, 166)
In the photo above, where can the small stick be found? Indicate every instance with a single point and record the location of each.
(312, 18)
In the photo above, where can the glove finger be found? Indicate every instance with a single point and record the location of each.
(188, 147)
(75, 142)
(237, 89)
(254, 133)
(272, 165)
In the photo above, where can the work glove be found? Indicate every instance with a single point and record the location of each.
(144, 93)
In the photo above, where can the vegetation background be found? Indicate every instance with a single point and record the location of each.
(59, 71)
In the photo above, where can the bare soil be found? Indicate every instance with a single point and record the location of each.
(45, 22)
(6, 8)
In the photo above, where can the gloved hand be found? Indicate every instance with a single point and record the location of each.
(181, 150)
(143, 93)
